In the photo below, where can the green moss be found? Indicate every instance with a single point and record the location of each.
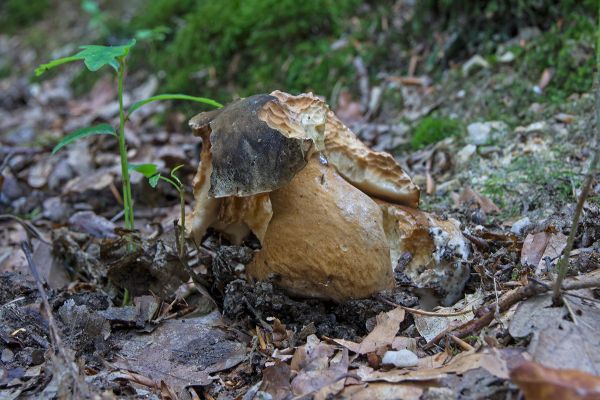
(431, 130)
(242, 47)
(547, 176)
(568, 50)
(18, 14)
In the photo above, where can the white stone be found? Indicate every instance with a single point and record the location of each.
(400, 359)
(518, 227)
(465, 153)
(507, 57)
(474, 63)
(480, 133)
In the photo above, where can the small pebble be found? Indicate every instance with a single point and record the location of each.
(519, 227)
(7, 356)
(400, 358)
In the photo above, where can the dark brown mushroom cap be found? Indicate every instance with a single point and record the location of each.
(248, 156)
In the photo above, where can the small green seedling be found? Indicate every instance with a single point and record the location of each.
(150, 171)
(94, 58)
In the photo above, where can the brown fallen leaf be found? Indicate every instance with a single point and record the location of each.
(382, 391)
(276, 381)
(348, 110)
(545, 78)
(181, 354)
(490, 360)
(469, 197)
(540, 383)
(538, 246)
(556, 342)
(381, 336)
(324, 380)
(312, 354)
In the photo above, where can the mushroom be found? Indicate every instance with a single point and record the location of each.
(326, 238)
(427, 250)
(333, 217)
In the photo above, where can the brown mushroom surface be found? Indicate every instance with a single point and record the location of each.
(325, 239)
(429, 251)
(333, 217)
(375, 173)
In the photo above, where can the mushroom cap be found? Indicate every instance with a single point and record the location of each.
(375, 173)
(428, 250)
(249, 156)
(325, 240)
(234, 216)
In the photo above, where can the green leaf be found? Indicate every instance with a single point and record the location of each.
(101, 129)
(153, 181)
(94, 57)
(148, 170)
(204, 100)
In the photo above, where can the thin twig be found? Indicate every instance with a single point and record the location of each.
(563, 264)
(423, 312)
(461, 343)
(28, 226)
(570, 309)
(485, 314)
(67, 359)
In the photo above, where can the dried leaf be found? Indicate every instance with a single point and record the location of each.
(557, 342)
(470, 197)
(490, 360)
(540, 383)
(276, 381)
(311, 380)
(312, 354)
(181, 354)
(538, 246)
(382, 390)
(430, 327)
(383, 335)
(93, 224)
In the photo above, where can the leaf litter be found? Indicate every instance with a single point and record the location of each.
(138, 327)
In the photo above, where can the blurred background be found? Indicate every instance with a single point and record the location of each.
(414, 78)
(231, 48)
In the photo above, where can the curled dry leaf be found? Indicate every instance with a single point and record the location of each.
(430, 327)
(469, 197)
(276, 381)
(490, 360)
(381, 336)
(540, 383)
(542, 246)
(317, 372)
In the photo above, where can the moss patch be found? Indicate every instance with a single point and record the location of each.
(545, 178)
(431, 130)
(19, 14)
(244, 47)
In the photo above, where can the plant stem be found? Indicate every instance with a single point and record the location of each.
(563, 264)
(127, 201)
(182, 223)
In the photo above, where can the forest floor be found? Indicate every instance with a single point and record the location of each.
(513, 185)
